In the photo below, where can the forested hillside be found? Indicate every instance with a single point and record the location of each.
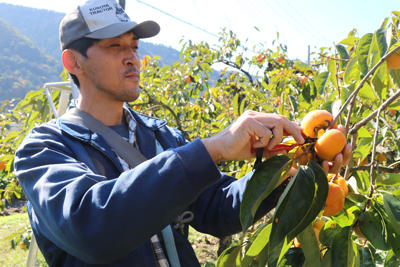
(23, 66)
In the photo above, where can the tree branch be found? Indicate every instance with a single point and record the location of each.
(155, 102)
(384, 105)
(351, 98)
(234, 65)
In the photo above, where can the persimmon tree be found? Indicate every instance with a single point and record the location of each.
(352, 80)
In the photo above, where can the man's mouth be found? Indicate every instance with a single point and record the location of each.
(132, 75)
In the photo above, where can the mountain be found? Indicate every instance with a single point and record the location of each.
(39, 25)
(30, 52)
(23, 66)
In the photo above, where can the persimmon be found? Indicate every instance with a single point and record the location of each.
(303, 80)
(260, 58)
(330, 144)
(339, 180)
(335, 200)
(317, 228)
(296, 243)
(188, 79)
(316, 120)
(342, 183)
(2, 165)
(393, 61)
(380, 157)
(363, 162)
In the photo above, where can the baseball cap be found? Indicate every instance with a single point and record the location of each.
(100, 19)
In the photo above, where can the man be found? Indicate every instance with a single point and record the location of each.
(86, 206)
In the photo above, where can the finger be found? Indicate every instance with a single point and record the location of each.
(325, 166)
(347, 154)
(263, 134)
(337, 164)
(294, 130)
(276, 138)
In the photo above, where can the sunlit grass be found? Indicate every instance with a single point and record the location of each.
(14, 257)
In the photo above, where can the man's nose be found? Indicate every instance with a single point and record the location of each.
(132, 57)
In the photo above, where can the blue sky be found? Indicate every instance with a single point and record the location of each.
(299, 22)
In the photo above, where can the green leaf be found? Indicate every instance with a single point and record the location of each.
(389, 179)
(263, 181)
(352, 72)
(349, 41)
(306, 92)
(303, 67)
(395, 76)
(309, 244)
(339, 243)
(363, 180)
(343, 54)
(293, 100)
(367, 93)
(395, 105)
(229, 256)
(391, 205)
(362, 53)
(372, 226)
(348, 217)
(260, 241)
(364, 133)
(379, 82)
(378, 49)
(293, 258)
(380, 39)
(319, 200)
(321, 81)
(332, 72)
(392, 259)
(364, 147)
(299, 194)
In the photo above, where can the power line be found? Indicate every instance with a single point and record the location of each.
(290, 20)
(305, 22)
(178, 19)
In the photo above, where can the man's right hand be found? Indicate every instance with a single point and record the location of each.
(252, 129)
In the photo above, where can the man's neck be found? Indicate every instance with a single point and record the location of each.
(108, 112)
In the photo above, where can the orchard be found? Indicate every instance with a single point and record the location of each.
(347, 95)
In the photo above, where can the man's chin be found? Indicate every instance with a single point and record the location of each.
(133, 96)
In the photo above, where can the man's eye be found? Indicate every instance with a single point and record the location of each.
(114, 45)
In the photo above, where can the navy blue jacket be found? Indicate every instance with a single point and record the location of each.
(84, 212)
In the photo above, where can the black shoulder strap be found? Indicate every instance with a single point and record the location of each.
(124, 149)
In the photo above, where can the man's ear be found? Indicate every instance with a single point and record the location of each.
(70, 61)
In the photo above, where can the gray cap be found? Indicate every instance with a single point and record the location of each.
(100, 19)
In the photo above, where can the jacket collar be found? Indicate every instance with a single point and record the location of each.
(147, 121)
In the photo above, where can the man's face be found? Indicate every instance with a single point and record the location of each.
(112, 67)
